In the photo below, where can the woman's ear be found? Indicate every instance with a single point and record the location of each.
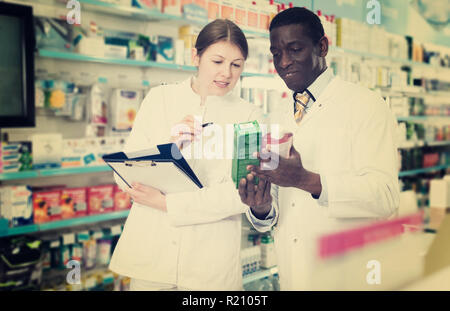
(195, 57)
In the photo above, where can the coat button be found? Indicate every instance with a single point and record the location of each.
(293, 204)
(295, 240)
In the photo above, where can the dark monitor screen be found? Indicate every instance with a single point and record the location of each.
(16, 66)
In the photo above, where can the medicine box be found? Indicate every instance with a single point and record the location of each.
(73, 202)
(122, 200)
(46, 206)
(16, 205)
(247, 141)
(100, 199)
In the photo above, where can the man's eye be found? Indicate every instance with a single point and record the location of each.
(297, 49)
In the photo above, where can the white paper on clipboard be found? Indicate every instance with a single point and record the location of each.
(165, 176)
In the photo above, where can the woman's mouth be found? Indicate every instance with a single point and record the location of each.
(221, 84)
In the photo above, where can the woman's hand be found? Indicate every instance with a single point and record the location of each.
(147, 196)
(185, 131)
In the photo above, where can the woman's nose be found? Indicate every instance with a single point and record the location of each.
(226, 71)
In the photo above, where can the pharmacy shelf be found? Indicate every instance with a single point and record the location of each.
(413, 94)
(421, 118)
(421, 143)
(423, 170)
(339, 50)
(135, 13)
(70, 56)
(151, 15)
(260, 274)
(35, 228)
(54, 172)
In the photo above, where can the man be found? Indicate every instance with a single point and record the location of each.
(342, 168)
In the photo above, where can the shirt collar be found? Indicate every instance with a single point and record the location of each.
(321, 82)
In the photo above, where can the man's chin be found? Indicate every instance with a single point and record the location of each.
(292, 86)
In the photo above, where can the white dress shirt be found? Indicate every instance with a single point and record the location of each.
(196, 244)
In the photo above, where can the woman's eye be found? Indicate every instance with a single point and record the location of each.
(237, 65)
(217, 61)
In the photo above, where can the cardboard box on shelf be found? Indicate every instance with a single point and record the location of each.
(16, 205)
(47, 150)
(46, 206)
(100, 199)
(73, 202)
(437, 215)
(122, 200)
(440, 193)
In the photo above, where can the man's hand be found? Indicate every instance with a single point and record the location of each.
(256, 196)
(147, 196)
(287, 172)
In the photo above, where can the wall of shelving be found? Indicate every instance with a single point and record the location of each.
(131, 74)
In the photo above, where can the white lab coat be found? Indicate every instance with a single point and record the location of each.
(348, 136)
(196, 244)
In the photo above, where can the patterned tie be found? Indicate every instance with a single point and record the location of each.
(301, 101)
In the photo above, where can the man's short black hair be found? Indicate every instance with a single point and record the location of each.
(300, 16)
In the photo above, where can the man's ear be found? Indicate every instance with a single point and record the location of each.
(195, 57)
(323, 46)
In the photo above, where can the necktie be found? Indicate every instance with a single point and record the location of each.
(301, 102)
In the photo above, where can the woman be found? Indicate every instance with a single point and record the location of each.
(190, 240)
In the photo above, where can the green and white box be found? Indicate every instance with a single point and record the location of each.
(247, 140)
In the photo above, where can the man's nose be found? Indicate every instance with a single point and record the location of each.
(285, 60)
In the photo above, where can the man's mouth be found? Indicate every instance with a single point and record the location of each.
(221, 84)
(290, 74)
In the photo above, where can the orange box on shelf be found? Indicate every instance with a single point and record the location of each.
(201, 3)
(213, 9)
(100, 199)
(122, 200)
(73, 202)
(46, 206)
(227, 10)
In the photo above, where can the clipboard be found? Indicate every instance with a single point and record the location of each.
(163, 168)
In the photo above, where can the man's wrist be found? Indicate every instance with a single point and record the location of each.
(310, 182)
(261, 212)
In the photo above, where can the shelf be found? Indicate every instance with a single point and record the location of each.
(152, 15)
(62, 223)
(54, 172)
(335, 49)
(127, 62)
(259, 275)
(421, 143)
(423, 170)
(135, 13)
(420, 118)
(413, 94)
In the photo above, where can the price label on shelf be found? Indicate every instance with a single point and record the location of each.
(116, 230)
(68, 238)
(54, 243)
(97, 235)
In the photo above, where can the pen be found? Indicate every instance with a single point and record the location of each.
(207, 124)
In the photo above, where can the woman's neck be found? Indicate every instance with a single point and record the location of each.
(195, 85)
